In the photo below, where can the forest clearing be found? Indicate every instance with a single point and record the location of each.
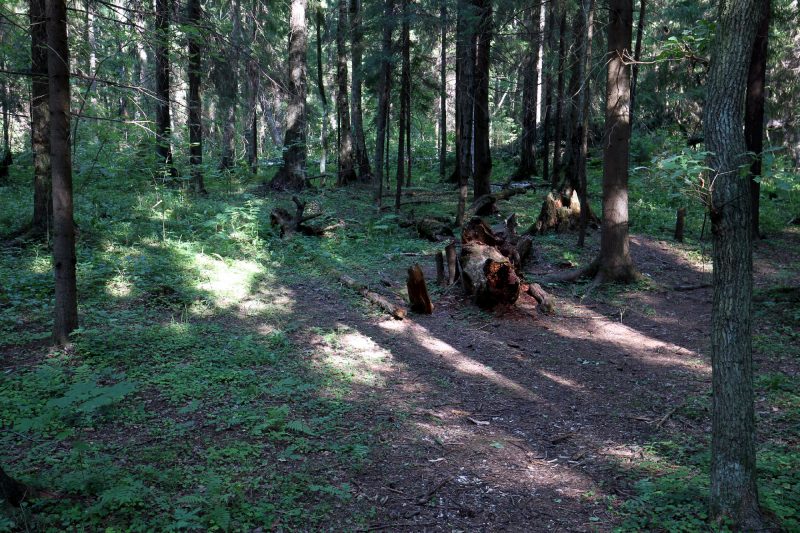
(406, 266)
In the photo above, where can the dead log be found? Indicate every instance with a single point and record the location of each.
(486, 204)
(477, 231)
(290, 224)
(397, 311)
(431, 228)
(488, 275)
(545, 301)
(418, 291)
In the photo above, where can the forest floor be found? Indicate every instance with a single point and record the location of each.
(223, 379)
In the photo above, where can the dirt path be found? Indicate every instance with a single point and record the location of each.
(503, 422)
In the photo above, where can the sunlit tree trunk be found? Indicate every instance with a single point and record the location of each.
(292, 174)
(637, 54)
(734, 493)
(585, 100)
(323, 97)
(64, 258)
(615, 262)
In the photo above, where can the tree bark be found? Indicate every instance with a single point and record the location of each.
(292, 174)
(443, 91)
(584, 102)
(754, 112)
(562, 44)
(530, 91)
(64, 258)
(163, 126)
(12, 490)
(40, 122)
(483, 157)
(637, 54)
(405, 83)
(734, 493)
(357, 51)
(195, 118)
(615, 263)
(405, 89)
(347, 173)
(384, 100)
(465, 98)
(323, 160)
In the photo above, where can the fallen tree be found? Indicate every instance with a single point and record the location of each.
(397, 311)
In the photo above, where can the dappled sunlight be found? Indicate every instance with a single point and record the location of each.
(353, 357)
(456, 359)
(564, 382)
(228, 281)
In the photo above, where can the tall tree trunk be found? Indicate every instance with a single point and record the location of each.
(323, 160)
(405, 82)
(405, 90)
(40, 122)
(540, 64)
(195, 118)
(7, 158)
(227, 83)
(292, 174)
(637, 54)
(584, 149)
(443, 91)
(562, 44)
(483, 157)
(254, 89)
(754, 112)
(347, 173)
(548, 93)
(530, 91)
(384, 101)
(465, 98)
(64, 258)
(163, 126)
(615, 263)
(357, 51)
(734, 493)
(577, 95)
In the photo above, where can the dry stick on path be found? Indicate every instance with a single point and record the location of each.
(397, 311)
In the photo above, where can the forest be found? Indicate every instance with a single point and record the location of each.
(400, 265)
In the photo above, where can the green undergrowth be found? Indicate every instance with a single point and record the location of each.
(186, 402)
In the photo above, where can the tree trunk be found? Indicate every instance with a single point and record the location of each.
(405, 89)
(576, 97)
(323, 160)
(443, 91)
(734, 494)
(292, 174)
(530, 91)
(548, 93)
(64, 258)
(405, 82)
(347, 173)
(40, 122)
(483, 157)
(357, 50)
(637, 54)
(465, 98)
(384, 100)
(195, 118)
(583, 155)
(562, 43)
(614, 263)
(163, 126)
(754, 112)
(227, 83)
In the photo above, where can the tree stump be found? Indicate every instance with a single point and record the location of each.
(418, 291)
